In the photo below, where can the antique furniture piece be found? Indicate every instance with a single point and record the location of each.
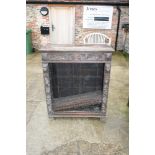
(76, 79)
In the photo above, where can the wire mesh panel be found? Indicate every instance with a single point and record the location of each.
(74, 78)
(76, 84)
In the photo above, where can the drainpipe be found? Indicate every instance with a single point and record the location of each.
(118, 23)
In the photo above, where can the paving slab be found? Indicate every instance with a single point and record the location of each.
(77, 136)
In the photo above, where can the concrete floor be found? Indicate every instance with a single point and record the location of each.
(77, 136)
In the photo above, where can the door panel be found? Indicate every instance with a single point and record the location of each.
(62, 25)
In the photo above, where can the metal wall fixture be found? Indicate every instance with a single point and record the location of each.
(44, 11)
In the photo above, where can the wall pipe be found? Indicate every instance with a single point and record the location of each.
(118, 24)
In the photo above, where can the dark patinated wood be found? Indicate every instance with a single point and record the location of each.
(77, 114)
(75, 48)
(76, 54)
(76, 101)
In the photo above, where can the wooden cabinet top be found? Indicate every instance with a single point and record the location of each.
(76, 48)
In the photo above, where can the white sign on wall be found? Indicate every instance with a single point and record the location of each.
(97, 17)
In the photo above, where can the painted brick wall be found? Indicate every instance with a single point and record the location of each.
(35, 20)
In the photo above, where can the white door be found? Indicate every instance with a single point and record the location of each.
(62, 25)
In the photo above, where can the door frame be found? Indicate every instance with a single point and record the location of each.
(50, 20)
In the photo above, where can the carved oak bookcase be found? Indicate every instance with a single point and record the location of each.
(83, 94)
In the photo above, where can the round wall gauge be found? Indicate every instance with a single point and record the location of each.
(44, 11)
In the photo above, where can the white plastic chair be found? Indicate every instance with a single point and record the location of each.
(97, 38)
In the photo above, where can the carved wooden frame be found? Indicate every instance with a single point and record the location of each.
(74, 57)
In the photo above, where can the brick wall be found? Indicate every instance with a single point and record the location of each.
(35, 20)
(122, 34)
(80, 32)
(126, 43)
